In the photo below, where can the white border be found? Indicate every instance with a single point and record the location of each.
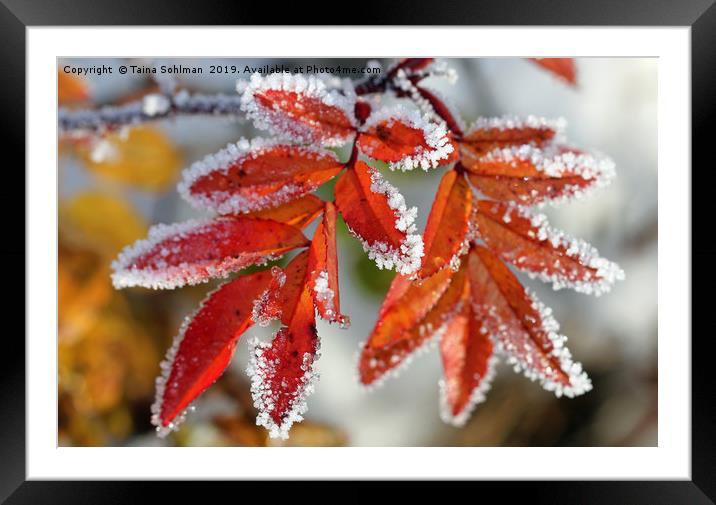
(671, 459)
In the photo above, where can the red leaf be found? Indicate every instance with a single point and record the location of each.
(204, 347)
(299, 213)
(468, 364)
(509, 164)
(246, 177)
(526, 240)
(405, 139)
(563, 68)
(489, 134)
(449, 304)
(323, 269)
(301, 108)
(397, 332)
(282, 373)
(376, 213)
(282, 296)
(195, 251)
(411, 316)
(521, 326)
(530, 190)
(446, 233)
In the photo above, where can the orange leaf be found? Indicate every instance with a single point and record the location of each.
(195, 251)
(446, 233)
(412, 314)
(530, 190)
(299, 213)
(249, 176)
(469, 366)
(301, 108)
(282, 372)
(323, 269)
(71, 88)
(448, 305)
(530, 175)
(376, 213)
(397, 332)
(412, 305)
(488, 134)
(405, 139)
(204, 347)
(564, 68)
(528, 242)
(522, 328)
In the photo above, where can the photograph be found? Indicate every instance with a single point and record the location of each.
(357, 252)
(431, 246)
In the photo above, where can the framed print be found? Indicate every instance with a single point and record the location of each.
(451, 252)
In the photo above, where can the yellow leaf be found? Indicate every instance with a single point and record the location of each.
(141, 157)
(80, 300)
(101, 222)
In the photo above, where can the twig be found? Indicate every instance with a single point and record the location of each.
(150, 108)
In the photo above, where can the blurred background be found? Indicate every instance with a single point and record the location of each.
(111, 342)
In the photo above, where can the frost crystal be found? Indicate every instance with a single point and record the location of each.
(434, 135)
(325, 294)
(441, 68)
(261, 370)
(307, 130)
(156, 104)
(407, 259)
(435, 68)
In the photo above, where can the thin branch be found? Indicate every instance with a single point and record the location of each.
(150, 108)
(404, 79)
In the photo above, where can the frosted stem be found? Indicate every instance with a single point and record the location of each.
(150, 108)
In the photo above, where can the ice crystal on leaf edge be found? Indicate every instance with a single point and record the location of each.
(607, 272)
(220, 161)
(434, 134)
(407, 259)
(258, 369)
(281, 124)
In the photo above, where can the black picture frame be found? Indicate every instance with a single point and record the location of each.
(699, 15)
